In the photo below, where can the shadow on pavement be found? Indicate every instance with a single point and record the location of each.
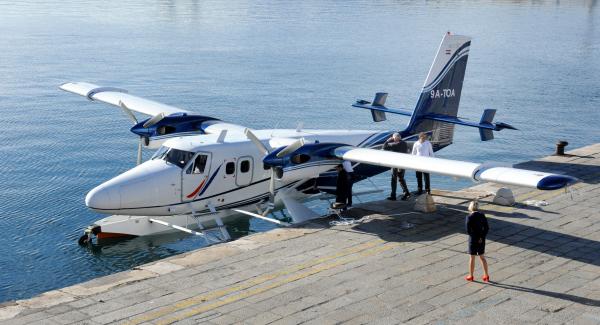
(558, 295)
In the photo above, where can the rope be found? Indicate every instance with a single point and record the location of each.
(348, 221)
(536, 203)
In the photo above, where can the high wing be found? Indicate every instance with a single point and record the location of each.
(456, 168)
(116, 96)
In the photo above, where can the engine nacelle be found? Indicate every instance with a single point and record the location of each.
(308, 161)
(169, 126)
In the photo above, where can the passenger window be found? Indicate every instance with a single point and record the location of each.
(199, 164)
(245, 166)
(230, 168)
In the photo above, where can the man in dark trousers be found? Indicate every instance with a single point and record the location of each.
(396, 144)
(342, 184)
(350, 178)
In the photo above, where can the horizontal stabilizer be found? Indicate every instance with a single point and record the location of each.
(378, 112)
(486, 126)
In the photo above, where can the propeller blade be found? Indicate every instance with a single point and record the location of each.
(271, 204)
(252, 137)
(139, 153)
(155, 119)
(272, 183)
(291, 148)
(128, 112)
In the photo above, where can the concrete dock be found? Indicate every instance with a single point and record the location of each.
(394, 266)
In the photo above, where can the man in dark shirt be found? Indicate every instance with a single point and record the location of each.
(477, 228)
(396, 144)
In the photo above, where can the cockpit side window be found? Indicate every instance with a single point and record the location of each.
(199, 165)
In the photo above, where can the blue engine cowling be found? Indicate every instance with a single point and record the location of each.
(308, 161)
(174, 124)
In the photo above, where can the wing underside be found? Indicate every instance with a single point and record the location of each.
(456, 168)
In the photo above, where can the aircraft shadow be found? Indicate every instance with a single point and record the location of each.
(449, 220)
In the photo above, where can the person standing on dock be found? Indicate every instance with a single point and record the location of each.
(477, 228)
(423, 148)
(396, 144)
(347, 165)
(341, 190)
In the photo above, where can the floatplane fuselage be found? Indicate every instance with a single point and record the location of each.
(205, 169)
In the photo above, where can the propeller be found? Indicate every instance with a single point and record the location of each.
(291, 148)
(129, 113)
(252, 137)
(265, 151)
(155, 119)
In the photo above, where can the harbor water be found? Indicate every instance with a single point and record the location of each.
(262, 64)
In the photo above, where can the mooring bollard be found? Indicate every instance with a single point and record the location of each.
(560, 148)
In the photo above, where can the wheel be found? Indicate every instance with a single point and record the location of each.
(84, 240)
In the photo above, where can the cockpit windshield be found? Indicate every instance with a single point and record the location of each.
(174, 156)
(160, 153)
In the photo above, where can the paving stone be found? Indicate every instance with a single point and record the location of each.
(262, 318)
(70, 317)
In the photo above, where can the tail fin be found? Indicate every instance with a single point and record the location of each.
(441, 91)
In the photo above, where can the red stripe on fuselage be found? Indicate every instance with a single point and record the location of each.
(191, 195)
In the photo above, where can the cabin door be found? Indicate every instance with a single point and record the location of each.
(195, 177)
(245, 167)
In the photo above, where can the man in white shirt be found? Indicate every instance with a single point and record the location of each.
(423, 148)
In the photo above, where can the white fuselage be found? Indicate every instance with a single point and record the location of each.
(233, 175)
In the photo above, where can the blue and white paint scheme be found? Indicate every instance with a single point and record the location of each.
(209, 169)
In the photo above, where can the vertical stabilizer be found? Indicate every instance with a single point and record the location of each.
(441, 92)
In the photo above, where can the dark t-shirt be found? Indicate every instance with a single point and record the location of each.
(476, 225)
(396, 146)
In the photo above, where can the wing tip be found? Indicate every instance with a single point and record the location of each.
(555, 182)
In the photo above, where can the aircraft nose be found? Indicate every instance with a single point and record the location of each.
(104, 197)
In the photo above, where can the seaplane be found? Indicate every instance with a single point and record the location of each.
(206, 170)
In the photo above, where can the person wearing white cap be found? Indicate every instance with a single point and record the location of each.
(396, 144)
